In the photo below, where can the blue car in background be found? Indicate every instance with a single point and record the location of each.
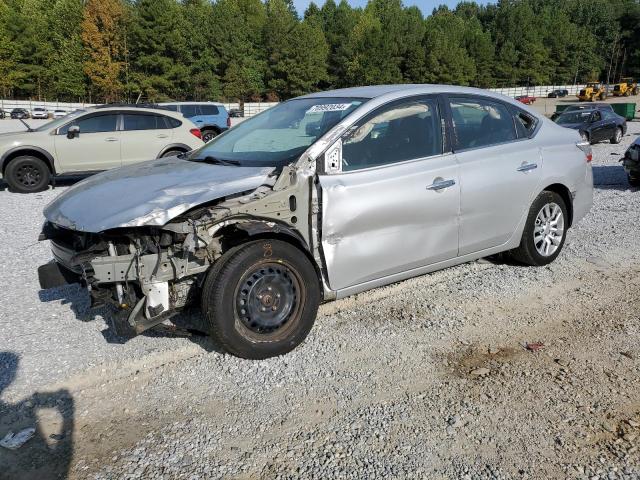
(211, 118)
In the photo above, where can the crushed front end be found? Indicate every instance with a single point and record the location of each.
(146, 273)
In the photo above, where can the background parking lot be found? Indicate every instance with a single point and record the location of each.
(428, 377)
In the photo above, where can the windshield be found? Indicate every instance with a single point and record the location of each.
(279, 135)
(579, 116)
(58, 122)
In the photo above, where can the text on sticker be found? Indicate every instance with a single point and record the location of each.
(329, 107)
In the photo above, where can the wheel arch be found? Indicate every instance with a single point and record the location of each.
(566, 195)
(174, 146)
(241, 232)
(27, 150)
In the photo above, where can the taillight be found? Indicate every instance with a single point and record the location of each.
(228, 121)
(196, 132)
(586, 148)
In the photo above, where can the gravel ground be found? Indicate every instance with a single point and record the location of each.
(428, 378)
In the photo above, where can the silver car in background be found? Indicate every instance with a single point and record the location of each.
(315, 199)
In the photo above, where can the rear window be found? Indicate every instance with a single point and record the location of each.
(143, 122)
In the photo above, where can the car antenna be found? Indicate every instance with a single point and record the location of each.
(29, 129)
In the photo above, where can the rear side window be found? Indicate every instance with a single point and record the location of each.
(173, 122)
(480, 123)
(94, 124)
(143, 122)
(209, 110)
(405, 130)
(525, 124)
(190, 110)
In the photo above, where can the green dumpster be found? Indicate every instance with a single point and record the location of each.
(626, 110)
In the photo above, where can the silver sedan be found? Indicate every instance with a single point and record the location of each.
(317, 198)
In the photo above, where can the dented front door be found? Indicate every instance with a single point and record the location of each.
(385, 221)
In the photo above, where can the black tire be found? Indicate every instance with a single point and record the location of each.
(208, 135)
(27, 174)
(171, 153)
(527, 252)
(617, 137)
(633, 181)
(260, 299)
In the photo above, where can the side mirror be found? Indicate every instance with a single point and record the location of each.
(74, 131)
(333, 158)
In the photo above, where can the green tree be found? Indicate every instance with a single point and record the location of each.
(158, 49)
(66, 61)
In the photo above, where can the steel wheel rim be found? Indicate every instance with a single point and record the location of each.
(548, 230)
(268, 299)
(28, 175)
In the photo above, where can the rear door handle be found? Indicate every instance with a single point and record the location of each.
(110, 139)
(162, 135)
(441, 184)
(527, 166)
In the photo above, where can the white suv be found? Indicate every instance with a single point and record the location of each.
(91, 140)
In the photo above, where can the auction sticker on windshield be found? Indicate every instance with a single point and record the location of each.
(329, 107)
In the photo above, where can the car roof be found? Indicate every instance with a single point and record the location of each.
(217, 104)
(135, 109)
(405, 90)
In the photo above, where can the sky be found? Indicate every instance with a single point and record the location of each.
(426, 6)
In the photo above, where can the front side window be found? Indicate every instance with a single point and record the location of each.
(609, 115)
(405, 130)
(480, 123)
(94, 124)
(279, 135)
(134, 121)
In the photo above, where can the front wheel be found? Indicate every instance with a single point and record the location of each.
(545, 231)
(27, 174)
(260, 299)
(633, 181)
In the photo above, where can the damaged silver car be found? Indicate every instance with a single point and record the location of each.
(315, 199)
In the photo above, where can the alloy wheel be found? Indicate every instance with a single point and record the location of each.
(549, 229)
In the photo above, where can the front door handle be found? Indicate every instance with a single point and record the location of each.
(441, 184)
(111, 139)
(527, 166)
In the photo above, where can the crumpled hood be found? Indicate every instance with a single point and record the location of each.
(149, 193)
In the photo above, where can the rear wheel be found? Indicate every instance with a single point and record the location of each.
(617, 137)
(208, 135)
(27, 174)
(545, 231)
(260, 299)
(633, 181)
(171, 153)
